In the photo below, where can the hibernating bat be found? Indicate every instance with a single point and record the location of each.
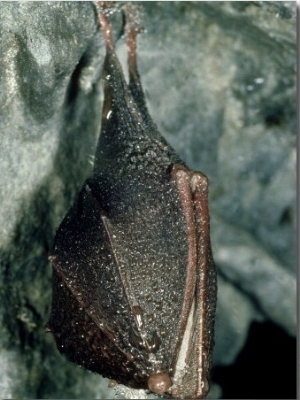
(134, 282)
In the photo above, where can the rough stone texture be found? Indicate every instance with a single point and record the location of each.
(220, 83)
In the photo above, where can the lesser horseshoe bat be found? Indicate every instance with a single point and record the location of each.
(134, 282)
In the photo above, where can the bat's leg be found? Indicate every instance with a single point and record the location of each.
(111, 64)
(131, 45)
(102, 7)
(132, 28)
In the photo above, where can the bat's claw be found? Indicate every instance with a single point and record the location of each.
(106, 7)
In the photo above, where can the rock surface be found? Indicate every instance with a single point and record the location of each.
(220, 83)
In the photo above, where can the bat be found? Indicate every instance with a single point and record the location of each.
(134, 281)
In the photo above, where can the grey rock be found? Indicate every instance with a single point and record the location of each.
(220, 83)
(248, 266)
(235, 313)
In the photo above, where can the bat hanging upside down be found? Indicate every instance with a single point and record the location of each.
(134, 282)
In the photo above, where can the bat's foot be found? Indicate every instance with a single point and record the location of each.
(106, 7)
(132, 26)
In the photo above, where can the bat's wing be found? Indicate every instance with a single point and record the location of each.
(118, 283)
(192, 359)
(90, 319)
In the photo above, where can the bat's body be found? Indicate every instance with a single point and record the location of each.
(134, 279)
